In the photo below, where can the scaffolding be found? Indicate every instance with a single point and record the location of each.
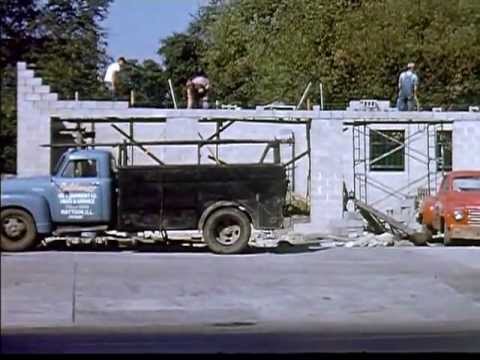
(432, 160)
(83, 135)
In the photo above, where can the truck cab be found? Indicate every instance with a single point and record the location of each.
(81, 188)
(86, 191)
(78, 192)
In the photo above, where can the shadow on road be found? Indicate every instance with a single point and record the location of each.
(282, 248)
(240, 342)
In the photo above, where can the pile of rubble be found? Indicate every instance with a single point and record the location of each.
(365, 239)
(350, 232)
(350, 240)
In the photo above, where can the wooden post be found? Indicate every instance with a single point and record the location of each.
(172, 93)
(132, 97)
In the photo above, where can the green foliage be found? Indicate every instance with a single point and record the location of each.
(8, 129)
(181, 58)
(259, 51)
(74, 50)
(254, 51)
(182, 53)
(65, 42)
(18, 24)
(147, 80)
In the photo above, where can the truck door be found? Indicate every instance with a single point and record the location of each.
(78, 193)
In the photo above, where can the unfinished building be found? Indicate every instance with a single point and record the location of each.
(386, 158)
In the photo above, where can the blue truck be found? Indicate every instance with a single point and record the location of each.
(88, 193)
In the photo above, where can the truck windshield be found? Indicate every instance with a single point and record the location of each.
(466, 184)
(57, 165)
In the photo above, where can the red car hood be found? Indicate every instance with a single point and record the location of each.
(460, 199)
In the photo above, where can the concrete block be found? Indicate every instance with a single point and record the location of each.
(42, 89)
(149, 113)
(25, 74)
(470, 116)
(51, 104)
(104, 104)
(63, 112)
(49, 97)
(338, 116)
(423, 115)
(21, 65)
(34, 81)
(24, 89)
(87, 104)
(32, 97)
(23, 82)
(120, 105)
(40, 106)
(66, 104)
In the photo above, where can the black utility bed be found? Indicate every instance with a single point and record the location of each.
(174, 197)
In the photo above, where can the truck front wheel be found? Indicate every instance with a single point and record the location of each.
(227, 231)
(18, 230)
(447, 240)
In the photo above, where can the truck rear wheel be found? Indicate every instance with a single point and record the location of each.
(18, 230)
(227, 231)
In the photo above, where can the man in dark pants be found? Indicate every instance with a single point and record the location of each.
(111, 75)
(407, 89)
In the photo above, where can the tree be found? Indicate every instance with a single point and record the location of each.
(183, 53)
(147, 80)
(75, 50)
(264, 50)
(181, 59)
(63, 39)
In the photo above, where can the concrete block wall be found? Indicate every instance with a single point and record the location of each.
(466, 143)
(33, 127)
(394, 192)
(36, 105)
(36, 101)
(188, 128)
(252, 153)
(328, 159)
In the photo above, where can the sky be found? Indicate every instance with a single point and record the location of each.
(134, 27)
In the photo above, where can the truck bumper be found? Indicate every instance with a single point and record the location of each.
(468, 232)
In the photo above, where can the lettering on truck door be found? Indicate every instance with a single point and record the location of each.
(78, 192)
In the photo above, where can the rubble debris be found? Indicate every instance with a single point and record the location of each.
(326, 240)
(402, 243)
(380, 222)
(368, 240)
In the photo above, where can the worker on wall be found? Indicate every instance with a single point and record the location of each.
(197, 91)
(407, 89)
(111, 75)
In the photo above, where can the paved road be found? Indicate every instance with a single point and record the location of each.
(345, 299)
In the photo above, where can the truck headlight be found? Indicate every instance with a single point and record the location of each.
(458, 214)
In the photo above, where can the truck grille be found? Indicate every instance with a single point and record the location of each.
(474, 215)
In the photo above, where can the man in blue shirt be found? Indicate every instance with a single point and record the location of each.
(407, 89)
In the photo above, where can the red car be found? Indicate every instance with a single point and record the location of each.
(455, 210)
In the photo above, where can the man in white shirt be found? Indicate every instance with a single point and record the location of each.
(111, 74)
(197, 91)
(407, 89)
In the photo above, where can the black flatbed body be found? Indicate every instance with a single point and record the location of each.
(174, 197)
